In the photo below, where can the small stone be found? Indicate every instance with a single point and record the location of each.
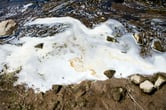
(147, 86)
(111, 39)
(109, 73)
(160, 80)
(40, 45)
(156, 45)
(7, 27)
(136, 79)
(138, 37)
(103, 18)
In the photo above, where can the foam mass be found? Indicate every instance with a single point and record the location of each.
(76, 54)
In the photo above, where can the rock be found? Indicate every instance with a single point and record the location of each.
(156, 45)
(118, 93)
(40, 45)
(57, 88)
(160, 80)
(7, 27)
(147, 86)
(136, 79)
(138, 37)
(109, 73)
(111, 39)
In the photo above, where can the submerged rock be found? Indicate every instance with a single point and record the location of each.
(147, 86)
(138, 37)
(7, 27)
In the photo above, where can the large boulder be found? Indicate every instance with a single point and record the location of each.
(7, 27)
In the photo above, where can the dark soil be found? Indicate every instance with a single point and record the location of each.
(112, 94)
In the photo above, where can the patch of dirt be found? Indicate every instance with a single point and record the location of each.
(112, 94)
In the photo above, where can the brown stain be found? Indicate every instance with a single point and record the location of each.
(77, 64)
(73, 60)
(74, 63)
(93, 72)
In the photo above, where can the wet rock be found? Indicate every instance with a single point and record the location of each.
(7, 27)
(138, 37)
(147, 86)
(137, 79)
(109, 73)
(111, 39)
(118, 93)
(156, 45)
(40, 45)
(160, 81)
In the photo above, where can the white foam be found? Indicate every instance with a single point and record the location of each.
(77, 54)
(25, 7)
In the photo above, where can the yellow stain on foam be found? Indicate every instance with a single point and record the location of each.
(79, 66)
(126, 58)
(93, 72)
(103, 58)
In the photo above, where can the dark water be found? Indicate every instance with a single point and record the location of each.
(7, 3)
(143, 17)
(14, 8)
(4, 4)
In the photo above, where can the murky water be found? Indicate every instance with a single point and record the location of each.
(15, 8)
(135, 16)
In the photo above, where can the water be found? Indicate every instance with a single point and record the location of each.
(16, 8)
